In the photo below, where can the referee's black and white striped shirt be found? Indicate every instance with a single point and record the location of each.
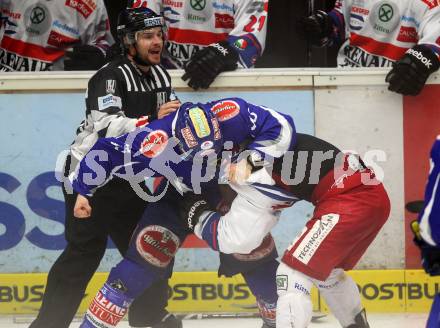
(117, 95)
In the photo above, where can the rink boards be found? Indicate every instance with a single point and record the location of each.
(352, 109)
(198, 292)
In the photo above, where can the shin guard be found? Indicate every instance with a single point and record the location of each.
(294, 306)
(261, 282)
(342, 296)
(126, 281)
(107, 308)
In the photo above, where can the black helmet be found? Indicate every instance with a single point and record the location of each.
(137, 19)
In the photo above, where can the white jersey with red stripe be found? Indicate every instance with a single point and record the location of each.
(34, 34)
(377, 33)
(195, 24)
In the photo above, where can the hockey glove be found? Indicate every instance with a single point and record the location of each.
(206, 64)
(228, 196)
(409, 74)
(191, 208)
(430, 254)
(84, 58)
(114, 52)
(316, 28)
(415, 206)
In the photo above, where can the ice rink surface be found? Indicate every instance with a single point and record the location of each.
(383, 320)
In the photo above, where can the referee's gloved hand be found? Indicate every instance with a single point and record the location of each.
(84, 58)
(206, 64)
(409, 74)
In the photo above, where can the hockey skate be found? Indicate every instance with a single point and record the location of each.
(360, 320)
(169, 321)
(265, 325)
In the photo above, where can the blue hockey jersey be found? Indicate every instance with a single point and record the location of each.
(429, 218)
(152, 151)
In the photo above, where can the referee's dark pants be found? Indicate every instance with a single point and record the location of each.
(116, 210)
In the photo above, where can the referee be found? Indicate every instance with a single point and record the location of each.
(127, 93)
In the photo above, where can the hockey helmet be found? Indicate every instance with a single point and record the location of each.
(132, 20)
(197, 130)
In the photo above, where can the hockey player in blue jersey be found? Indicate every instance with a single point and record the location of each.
(427, 228)
(173, 148)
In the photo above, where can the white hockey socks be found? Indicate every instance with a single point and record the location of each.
(341, 295)
(294, 306)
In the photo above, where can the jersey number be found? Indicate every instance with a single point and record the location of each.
(250, 26)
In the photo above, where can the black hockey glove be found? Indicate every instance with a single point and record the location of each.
(206, 64)
(409, 74)
(316, 28)
(415, 206)
(114, 52)
(84, 58)
(430, 254)
(191, 207)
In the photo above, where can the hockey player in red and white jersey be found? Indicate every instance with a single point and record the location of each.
(351, 206)
(404, 34)
(208, 37)
(36, 34)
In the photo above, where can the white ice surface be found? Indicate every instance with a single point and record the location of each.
(383, 320)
